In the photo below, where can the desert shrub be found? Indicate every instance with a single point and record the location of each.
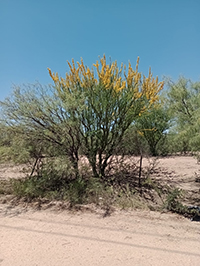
(59, 184)
(54, 174)
(5, 187)
(29, 188)
(173, 202)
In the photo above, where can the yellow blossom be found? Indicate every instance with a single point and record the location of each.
(110, 76)
(53, 76)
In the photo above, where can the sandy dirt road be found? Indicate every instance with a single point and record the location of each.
(124, 238)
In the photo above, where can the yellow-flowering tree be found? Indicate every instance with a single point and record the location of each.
(102, 102)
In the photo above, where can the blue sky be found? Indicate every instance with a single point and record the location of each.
(36, 34)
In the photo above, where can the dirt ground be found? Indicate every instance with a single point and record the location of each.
(59, 237)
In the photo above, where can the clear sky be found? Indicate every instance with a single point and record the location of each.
(36, 34)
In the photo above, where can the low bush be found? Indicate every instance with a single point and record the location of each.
(172, 202)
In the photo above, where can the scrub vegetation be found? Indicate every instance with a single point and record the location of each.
(79, 135)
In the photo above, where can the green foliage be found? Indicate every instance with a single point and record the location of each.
(18, 146)
(38, 125)
(5, 187)
(132, 143)
(183, 99)
(77, 191)
(153, 126)
(173, 203)
(29, 188)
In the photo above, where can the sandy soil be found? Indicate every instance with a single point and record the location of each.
(49, 237)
